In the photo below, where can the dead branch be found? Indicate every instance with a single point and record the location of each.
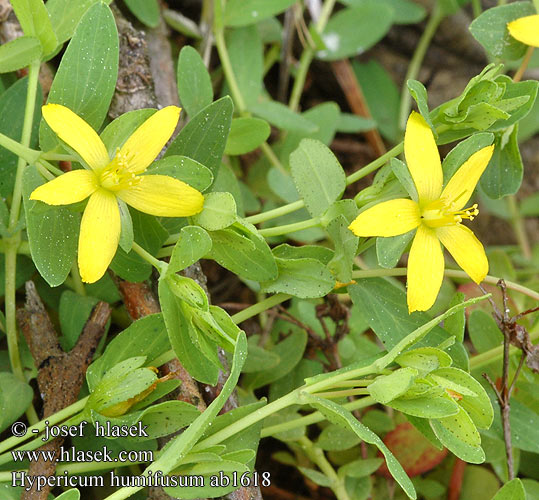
(60, 374)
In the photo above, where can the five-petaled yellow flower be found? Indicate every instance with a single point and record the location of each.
(437, 215)
(525, 30)
(106, 180)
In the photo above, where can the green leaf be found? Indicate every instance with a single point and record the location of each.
(490, 29)
(203, 139)
(240, 249)
(158, 420)
(337, 438)
(19, 53)
(455, 324)
(193, 243)
(194, 82)
(219, 212)
(245, 12)
(66, 14)
(73, 313)
(12, 105)
(126, 224)
(424, 359)
(183, 443)
(462, 151)
(474, 397)
(513, 490)
(389, 250)
(71, 494)
(504, 172)
(419, 93)
(338, 415)
(246, 134)
(146, 11)
(404, 11)
(350, 32)
(388, 314)
(361, 468)
(259, 359)
(303, 278)
(389, 387)
(319, 253)
(15, 397)
(318, 175)
(150, 235)
(382, 97)
(316, 477)
(350, 124)
(290, 351)
(86, 78)
(35, 21)
(184, 169)
(400, 169)
(345, 243)
(459, 435)
(120, 129)
(145, 337)
(181, 333)
(425, 406)
(484, 332)
(283, 117)
(52, 232)
(247, 59)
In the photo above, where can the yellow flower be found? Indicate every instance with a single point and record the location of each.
(437, 216)
(525, 30)
(107, 180)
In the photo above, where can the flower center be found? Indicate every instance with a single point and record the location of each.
(440, 213)
(116, 175)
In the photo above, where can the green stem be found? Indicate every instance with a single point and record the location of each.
(518, 227)
(371, 167)
(58, 157)
(316, 455)
(312, 418)
(476, 7)
(148, 257)
(227, 67)
(259, 307)
(77, 281)
(29, 155)
(290, 228)
(272, 157)
(415, 64)
(307, 57)
(450, 273)
(12, 243)
(276, 212)
(297, 205)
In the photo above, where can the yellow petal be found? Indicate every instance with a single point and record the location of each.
(525, 30)
(425, 270)
(423, 159)
(466, 249)
(99, 235)
(70, 187)
(460, 187)
(149, 139)
(77, 134)
(163, 196)
(389, 218)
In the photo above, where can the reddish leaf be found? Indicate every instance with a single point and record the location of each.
(412, 450)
